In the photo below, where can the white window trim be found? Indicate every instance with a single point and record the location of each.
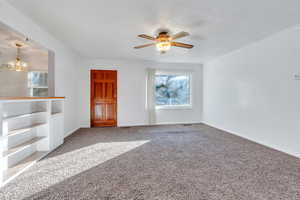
(37, 87)
(174, 107)
(177, 107)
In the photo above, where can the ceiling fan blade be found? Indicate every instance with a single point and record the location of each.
(146, 37)
(180, 35)
(178, 44)
(145, 45)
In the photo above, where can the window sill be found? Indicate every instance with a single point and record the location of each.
(183, 107)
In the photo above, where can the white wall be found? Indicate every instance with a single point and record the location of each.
(66, 61)
(251, 92)
(132, 77)
(72, 80)
(13, 83)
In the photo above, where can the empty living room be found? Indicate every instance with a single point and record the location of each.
(149, 100)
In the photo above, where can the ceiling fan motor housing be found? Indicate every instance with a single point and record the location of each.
(163, 42)
(163, 37)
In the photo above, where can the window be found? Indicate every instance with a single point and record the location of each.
(38, 84)
(172, 90)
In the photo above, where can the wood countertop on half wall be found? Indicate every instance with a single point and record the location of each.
(29, 98)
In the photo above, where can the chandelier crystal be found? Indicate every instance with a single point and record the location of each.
(17, 64)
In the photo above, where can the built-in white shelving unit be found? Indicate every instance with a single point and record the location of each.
(30, 128)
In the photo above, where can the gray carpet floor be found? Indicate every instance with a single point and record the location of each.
(159, 163)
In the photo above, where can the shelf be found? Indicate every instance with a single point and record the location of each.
(30, 98)
(23, 130)
(21, 166)
(22, 116)
(31, 128)
(56, 113)
(22, 146)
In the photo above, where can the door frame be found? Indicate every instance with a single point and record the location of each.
(91, 100)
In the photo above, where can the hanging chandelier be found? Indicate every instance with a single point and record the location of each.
(17, 64)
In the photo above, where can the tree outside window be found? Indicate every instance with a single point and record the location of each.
(172, 90)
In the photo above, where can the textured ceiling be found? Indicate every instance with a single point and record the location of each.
(108, 29)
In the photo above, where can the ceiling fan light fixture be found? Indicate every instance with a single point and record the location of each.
(164, 41)
(163, 46)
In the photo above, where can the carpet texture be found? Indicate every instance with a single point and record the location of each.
(159, 163)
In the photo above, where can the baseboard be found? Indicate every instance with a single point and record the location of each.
(131, 125)
(156, 124)
(176, 123)
(71, 132)
(252, 140)
(85, 125)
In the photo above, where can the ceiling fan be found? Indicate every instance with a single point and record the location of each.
(164, 41)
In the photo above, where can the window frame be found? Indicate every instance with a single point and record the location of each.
(31, 88)
(176, 73)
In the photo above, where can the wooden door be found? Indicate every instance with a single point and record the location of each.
(103, 98)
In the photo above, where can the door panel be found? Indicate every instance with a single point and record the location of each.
(103, 98)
